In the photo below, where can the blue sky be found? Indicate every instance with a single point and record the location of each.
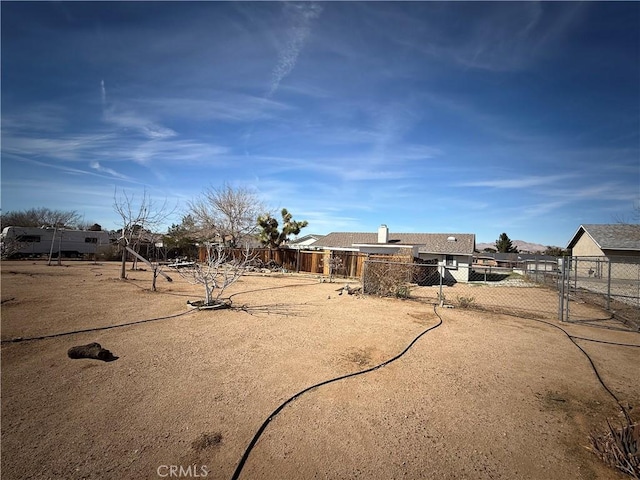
(448, 117)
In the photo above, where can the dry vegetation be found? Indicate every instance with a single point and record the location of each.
(483, 396)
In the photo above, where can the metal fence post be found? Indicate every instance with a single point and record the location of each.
(441, 298)
(568, 292)
(608, 307)
(561, 289)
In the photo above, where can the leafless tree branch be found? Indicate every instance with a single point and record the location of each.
(217, 273)
(139, 216)
(226, 215)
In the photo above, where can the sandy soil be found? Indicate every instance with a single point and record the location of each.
(482, 396)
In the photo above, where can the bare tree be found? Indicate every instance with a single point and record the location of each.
(156, 268)
(226, 214)
(137, 216)
(89, 226)
(335, 264)
(37, 217)
(10, 246)
(218, 272)
(59, 219)
(633, 218)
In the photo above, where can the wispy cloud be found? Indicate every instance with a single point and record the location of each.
(138, 123)
(68, 147)
(126, 137)
(500, 37)
(73, 170)
(339, 167)
(180, 152)
(299, 17)
(519, 182)
(96, 166)
(42, 117)
(539, 209)
(103, 94)
(225, 106)
(595, 190)
(346, 113)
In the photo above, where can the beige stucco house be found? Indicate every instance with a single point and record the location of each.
(606, 240)
(604, 246)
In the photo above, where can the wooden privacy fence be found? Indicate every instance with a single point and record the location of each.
(343, 264)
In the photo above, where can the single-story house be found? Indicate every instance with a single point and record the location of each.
(305, 242)
(617, 245)
(606, 240)
(484, 260)
(453, 250)
(526, 261)
(530, 262)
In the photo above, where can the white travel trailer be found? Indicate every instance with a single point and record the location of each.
(33, 241)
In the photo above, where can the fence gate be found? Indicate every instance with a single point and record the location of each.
(599, 288)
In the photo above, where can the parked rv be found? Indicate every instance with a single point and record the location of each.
(34, 242)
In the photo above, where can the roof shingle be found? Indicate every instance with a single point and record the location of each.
(611, 236)
(464, 243)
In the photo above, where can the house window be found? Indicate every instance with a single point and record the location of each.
(450, 261)
(28, 238)
(90, 240)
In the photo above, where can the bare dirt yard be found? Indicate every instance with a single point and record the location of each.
(482, 396)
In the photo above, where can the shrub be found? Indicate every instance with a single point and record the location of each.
(387, 279)
(403, 291)
(466, 302)
(619, 448)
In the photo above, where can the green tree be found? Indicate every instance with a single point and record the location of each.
(274, 237)
(504, 245)
(555, 252)
(181, 238)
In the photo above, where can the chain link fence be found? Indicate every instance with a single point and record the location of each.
(610, 283)
(569, 289)
(495, 289)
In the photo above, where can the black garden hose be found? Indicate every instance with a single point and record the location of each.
(593, 366)
(95, 329)
(136, 322)
(273, 414)
(260, 431)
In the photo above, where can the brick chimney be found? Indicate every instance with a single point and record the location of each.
(383, 234)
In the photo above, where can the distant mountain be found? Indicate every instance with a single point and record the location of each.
(521, 245)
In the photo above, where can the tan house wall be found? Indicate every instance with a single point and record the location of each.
(586, 247)
(592, 262)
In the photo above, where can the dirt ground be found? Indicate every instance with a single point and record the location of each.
(482, 396)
